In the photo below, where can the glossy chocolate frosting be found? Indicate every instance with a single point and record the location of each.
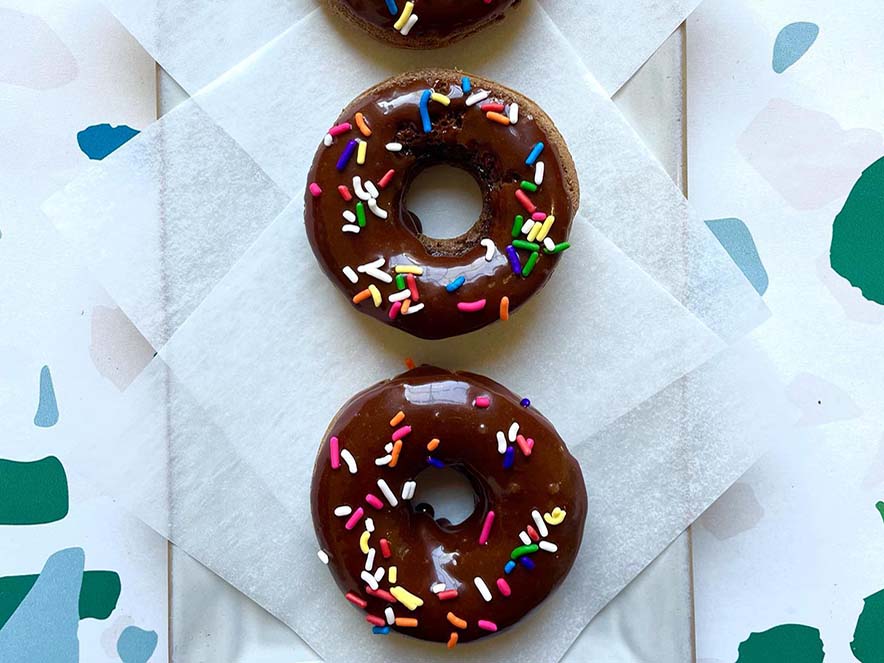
(443, 405)
(461, 136)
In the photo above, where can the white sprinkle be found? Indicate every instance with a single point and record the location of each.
(361, 193)
(527, 226)
(350, 274)
(409, 24)
(483, 588)
(383, 460)
(438, 587)
(388, 447)
(343, 510)
(538, 173)
(349, 216)
(372, 189)
(374, 264)
(369, 579)
(378, 274)
(385, 489)
(408, 490)
(489, 248)
(538, 520)
(379, 573)
(514, 113)
(548, 546)
(350, 228)
(399, 296)
(501, 442)
(369, 559)
(369, 525)
(348, 458)
(394, 147)
(323, 556)
(377, 211)
(523, 535)
(548, 243)
(514, 431)
(476, 97)
(328, 140)
(413, 309)
(388, 613)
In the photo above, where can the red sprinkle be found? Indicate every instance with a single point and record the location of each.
(504, 587)
(335, 449)
(447, 594)
(492, 107)
(377, 621)
(345, 192)
(381, 594)
(412, 286)
(374, 501)
(399, 433)
(385, 180)
(526, 201)
(482, 401)
(385, 549)
(355, 600)
(532, 533)
(524, 445)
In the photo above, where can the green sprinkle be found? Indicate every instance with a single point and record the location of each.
(400, 281)
(529, 266)
(517, 225)
(526, 246)
(558, 248)
(524, 550)
(360, 214)
(528, 186)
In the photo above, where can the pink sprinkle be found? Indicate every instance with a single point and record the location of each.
(335, 448)
(385, 180)
(482, 401)
(315, 191)
(538, 216)
(345, 192)
(394, 310)
(486, 528)
(504, 587)
(486, 625)
(374, 501)
(355, 518)
(526, 201)
(339, 129)
(447, 594)
(399, 433)
(524, 445)
(471, 307)
(385, 549)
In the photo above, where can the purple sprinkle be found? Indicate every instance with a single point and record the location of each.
(349, 149)
(527, 562)
(515, 263)
(508, 458)
(435, 462)
(525, 403)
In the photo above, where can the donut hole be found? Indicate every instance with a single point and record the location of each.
(446, 494)
(444, 202)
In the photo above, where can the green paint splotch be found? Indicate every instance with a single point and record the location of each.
(880, 507)
(868, 638)
(99, 593)
(857, 251)
(787, 643)
(33, 493)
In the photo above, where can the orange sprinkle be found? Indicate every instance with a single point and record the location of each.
(498, 117)
(431, 446)
(409, 363)
(363, 126)
(405, 306)
(457, 621)
(361, 296)
(504, 308)
(452, 641)
(394, 455)
(406, 621)
(395, 421)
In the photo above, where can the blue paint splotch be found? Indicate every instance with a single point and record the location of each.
(136, 645)
(47, 408)
(793, 42)
(99, 140)
(737, 241)
(44, 626)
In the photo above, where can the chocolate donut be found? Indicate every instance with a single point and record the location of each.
(427, 578)
(372, 247)
(421, 23)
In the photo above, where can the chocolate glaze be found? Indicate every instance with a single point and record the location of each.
(439, 21)
(461, 136)
(440, 404)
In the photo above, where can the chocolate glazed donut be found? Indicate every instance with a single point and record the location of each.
(372, 247)
(421, 23)
(427, 578)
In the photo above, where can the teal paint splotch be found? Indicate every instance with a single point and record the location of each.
(44, 626)
(787, 643)
(99, 140)
(737, 241)
(136, 645)
(47, 408)
(793, 41)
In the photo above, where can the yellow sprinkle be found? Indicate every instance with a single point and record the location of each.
(404, 16)
(556, 517)
(363, 542)
(440, 98)
(391, 574)
(409, 269)
(406, 598)
(535, 230)
(375, 295)
(544, 230)
(360, 152)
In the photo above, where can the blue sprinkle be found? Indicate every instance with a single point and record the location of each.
(425, 111)
(525, 403)
(349, 149)
(510, 565)
(455, 284)
(508, 458)
(435, 462)
(391, 5)
(527, 562)
(535, 152)
(515, 263)
(467, 86)
(380, 630)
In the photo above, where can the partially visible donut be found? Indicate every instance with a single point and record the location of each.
(372, 247)
(421, 23)
(427, 578)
